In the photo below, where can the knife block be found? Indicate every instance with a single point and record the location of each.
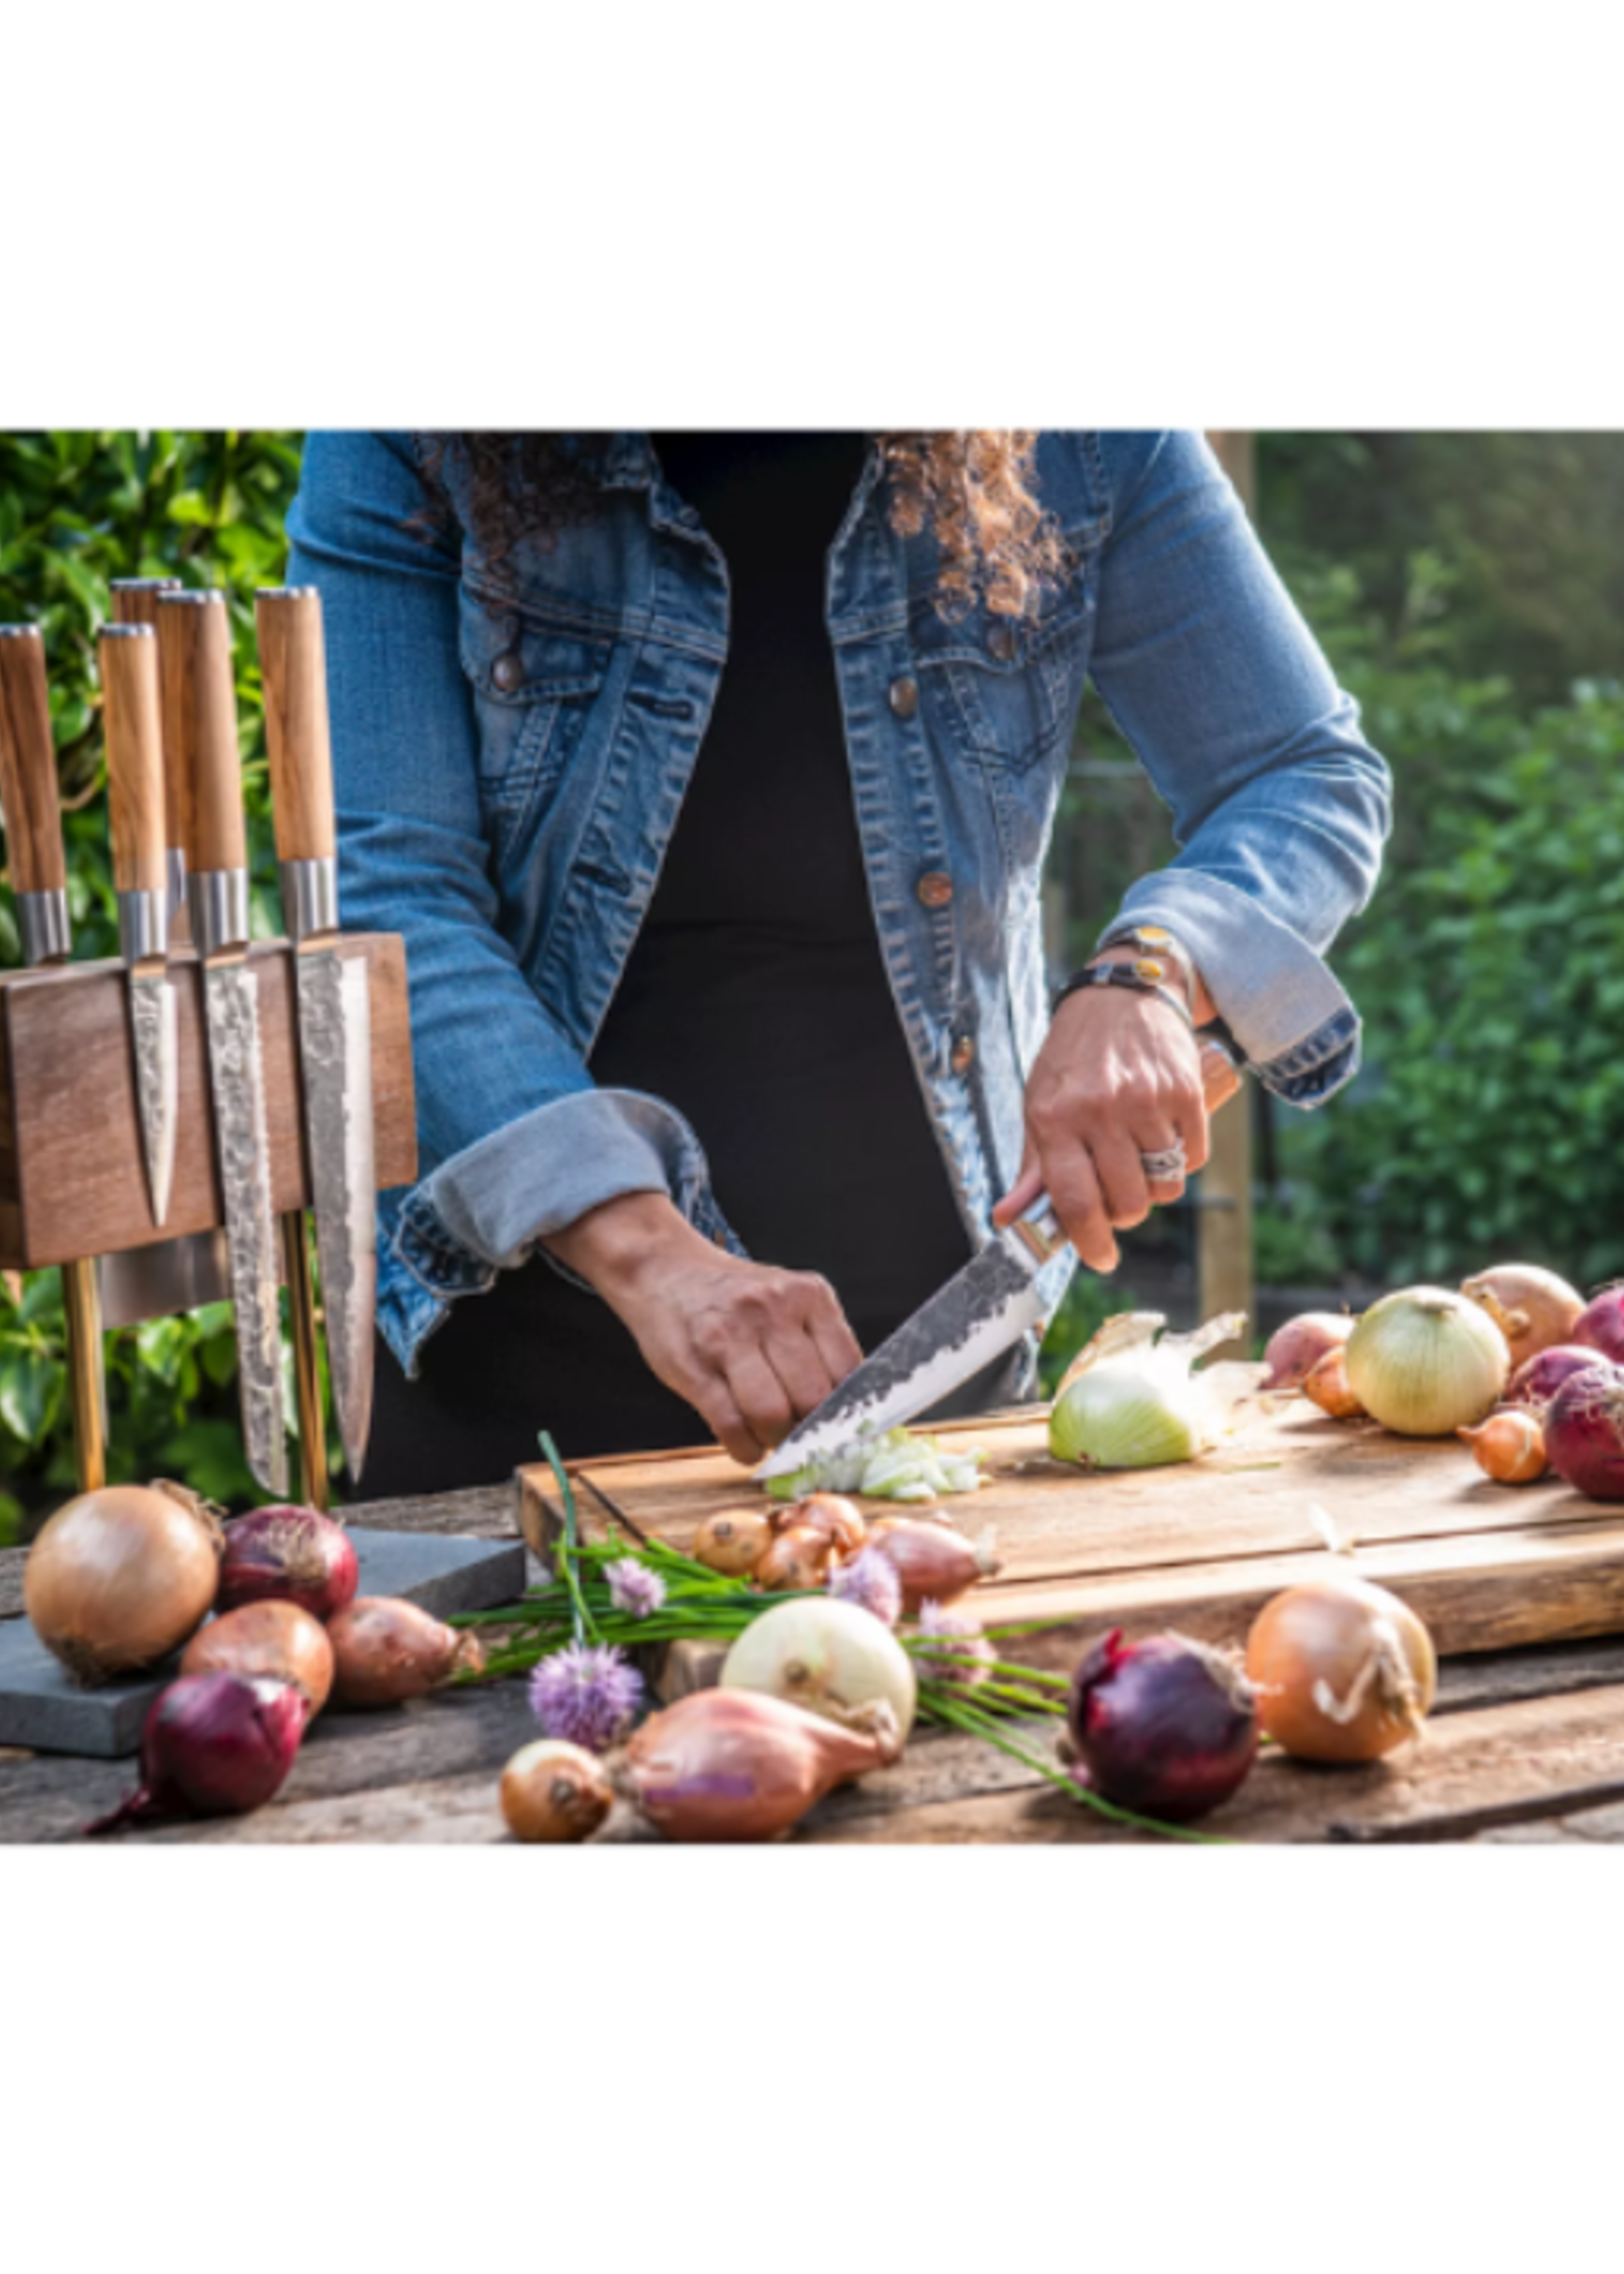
(73, 1179)
(73, 1176)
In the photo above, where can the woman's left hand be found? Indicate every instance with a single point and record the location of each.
(1119, 1075)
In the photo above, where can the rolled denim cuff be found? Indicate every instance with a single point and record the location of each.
(498, 1198)
(1289, 1017)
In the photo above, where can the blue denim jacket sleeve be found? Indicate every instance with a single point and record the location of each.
(1279, 806)
(514, 1138)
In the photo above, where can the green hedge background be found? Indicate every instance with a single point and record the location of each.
(1469, 590)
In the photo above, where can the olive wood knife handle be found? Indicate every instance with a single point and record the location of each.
(29, 799)
(293, 659)
(134, 756)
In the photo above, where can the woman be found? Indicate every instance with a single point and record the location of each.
(709, 779)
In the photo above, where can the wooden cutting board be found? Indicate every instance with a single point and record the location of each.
(1203, 1547)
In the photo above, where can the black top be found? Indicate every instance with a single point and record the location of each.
(755, 1000)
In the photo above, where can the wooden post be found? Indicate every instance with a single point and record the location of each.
(1223, 1216)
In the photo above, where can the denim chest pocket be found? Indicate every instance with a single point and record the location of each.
(1008, 693)
(534, 684)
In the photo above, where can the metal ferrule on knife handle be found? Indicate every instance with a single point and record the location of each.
(334, 1014)
(144, 926)
(201, 738)
(42, 922)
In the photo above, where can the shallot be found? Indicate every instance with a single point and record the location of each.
(120, 1577)
(1343, 1669)
(551, 1790)
(213, 1744)
(798, 1560)
(386, 1651)
(1584, 1426)
(1326, 1386)
(1538, 1378)
(838, 1520)
(289, 1554)
(274, 1640)
(934, 1565)
(1510, 1447)
(833, 1658)
(1427, 1361)
(1601, 1324)
(1531, 1307)
(1295, 1348)
(734, 1764)
(1164, 1726)
(734, 1541)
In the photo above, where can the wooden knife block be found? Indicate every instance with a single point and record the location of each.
(73, 1181)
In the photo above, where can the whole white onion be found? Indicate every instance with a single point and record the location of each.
(833, 1658)
(1427, 1361)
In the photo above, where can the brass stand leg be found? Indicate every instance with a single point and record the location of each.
(87, 1378)
(306, 1379)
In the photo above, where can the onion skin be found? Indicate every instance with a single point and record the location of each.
(1343, 1669)
(1326, 1383)
(1600, 1325)
(1584, 1426)
(796, 1560)
(1532, 1307)
(1538, 1378)
(289, 1554)
(1164, 1726)
(386, 1651)
(267, 1641)
(1427, 1361)
(213, 1744)
(738, 1765)
(733, 1542)
(120, 1577)
(552, 1791)
(934, 1565)
(840, 1520)
(1294, 1348)
(1510, 1447)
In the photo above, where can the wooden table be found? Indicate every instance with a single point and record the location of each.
(1524, 1744)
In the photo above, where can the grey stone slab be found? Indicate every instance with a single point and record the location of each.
(44, 1708)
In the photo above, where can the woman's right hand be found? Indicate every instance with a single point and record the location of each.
(753, 1349)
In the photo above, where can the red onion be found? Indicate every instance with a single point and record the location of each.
(1164, 1726)
(1297, 1348)
(288, 1555)
(1584, 1433)
(1538, 1378)
(214, 1745)
(1601, 1324)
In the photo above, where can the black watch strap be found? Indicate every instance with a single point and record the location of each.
(1132, 977)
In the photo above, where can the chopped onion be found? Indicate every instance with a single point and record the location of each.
(898, 1466)
(1427, 1362)
(833, 1658)
(1132, 1402)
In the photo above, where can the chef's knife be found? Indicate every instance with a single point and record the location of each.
(964, 1325)
(335, 1053)
(32, 810)
(129, 656)
(180, 1274)
(203, 721)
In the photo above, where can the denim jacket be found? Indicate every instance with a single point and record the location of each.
(508, 772)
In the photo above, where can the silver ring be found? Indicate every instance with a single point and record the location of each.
(1167, 1167)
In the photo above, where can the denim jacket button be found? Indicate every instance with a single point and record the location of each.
(508, 672)
(934, 888)
(1001, 642)
(905, 697)
(964, 1050)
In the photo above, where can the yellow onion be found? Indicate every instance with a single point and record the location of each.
(267, 1641)
(551, 1790)
(1427, 1362)
(1343, 1669)
(833, 1658)
(1510, 1447)
(1533, 1308)
(1326, 1384)
(119, 1578)
(733, 1542)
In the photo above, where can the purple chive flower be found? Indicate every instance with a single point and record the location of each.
(634, 1587)
(871, 1581)
(964, 1654)
(586, 1694)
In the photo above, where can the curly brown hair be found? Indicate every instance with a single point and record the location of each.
(973, 489)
